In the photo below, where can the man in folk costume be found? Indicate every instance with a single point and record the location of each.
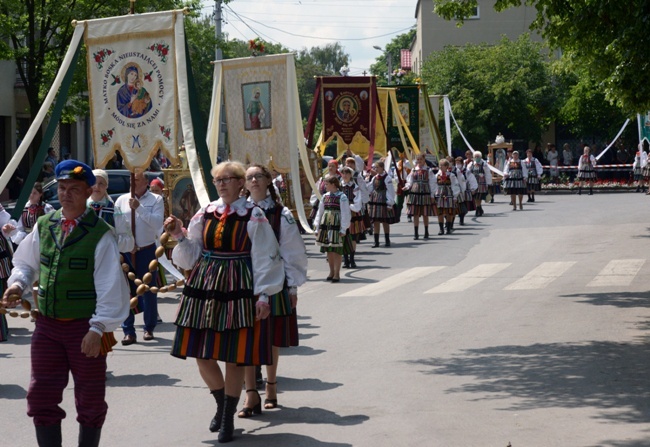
(83, 296)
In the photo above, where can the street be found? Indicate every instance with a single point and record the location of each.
(523, 328)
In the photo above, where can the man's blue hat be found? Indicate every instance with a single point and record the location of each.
(74, 170)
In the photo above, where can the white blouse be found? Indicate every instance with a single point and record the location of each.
(346, 216)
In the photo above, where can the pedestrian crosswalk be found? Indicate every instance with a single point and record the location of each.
(502, 276)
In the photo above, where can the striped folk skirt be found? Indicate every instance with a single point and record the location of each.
(357, 225)
(444, 201)
(587, 173)
(378, 210)
(638, 173)
(514, 186)
(216, 314)
(420, 203)
(533, 183)
(469, 200)
(329, 237)
(283, 320)
(646, 172)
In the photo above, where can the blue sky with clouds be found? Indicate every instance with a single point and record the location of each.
(357, 24)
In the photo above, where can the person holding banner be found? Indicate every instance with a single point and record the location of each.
(353, 235)
(638, 168)
(586, 170)
(466, 201)
(332, 222)
(83, 295)
(481, 172)
(420, 185)
(235, 266)
(535, 171)
(283, 319)
(515, 175)
(381, 201)
(446, 190)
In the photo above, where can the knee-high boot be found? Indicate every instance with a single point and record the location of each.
(219, 396)
(442, 228)
(346, 261)
(352, 263)
(376, 241)
(48, 435)
(416, 231)
(228, 421)
(89, 436)
(387, 239)
(426, 231)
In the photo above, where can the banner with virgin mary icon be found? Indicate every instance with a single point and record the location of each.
(132, 87)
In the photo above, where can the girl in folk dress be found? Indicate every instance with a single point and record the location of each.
(283, 319)
(481, 172)
(235, 261)
(332, 221)
(514, 180)
(468, 187)
(586, 170)
(446, 190)
(352, 191)
(535, 171)
(380, 204)
(332, 171)
(639, 167)
(553, 159)
(420, 184)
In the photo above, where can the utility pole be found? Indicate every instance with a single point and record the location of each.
(217, 28)
(221, 150)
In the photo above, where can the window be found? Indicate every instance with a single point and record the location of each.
(475, 15)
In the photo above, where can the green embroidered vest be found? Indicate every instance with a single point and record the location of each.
(66, 286)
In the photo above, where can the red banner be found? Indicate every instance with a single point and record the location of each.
(348, 105)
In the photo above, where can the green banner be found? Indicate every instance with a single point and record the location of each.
(408, 101)
(644, 127)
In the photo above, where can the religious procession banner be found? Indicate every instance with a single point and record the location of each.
(408, 106)
(132, 87)
(644, 126)
(347, 108)
(255, 92)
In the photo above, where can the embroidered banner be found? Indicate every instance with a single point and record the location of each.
(408, 101)
(132, 87)
(644, 126)
(346, 108)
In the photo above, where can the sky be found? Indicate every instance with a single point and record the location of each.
(357, 25)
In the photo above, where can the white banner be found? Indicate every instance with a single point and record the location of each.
(132, 87)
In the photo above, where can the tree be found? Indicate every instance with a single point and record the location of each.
(36, 36)
(393, 48)
(503, 88)
(610, 39)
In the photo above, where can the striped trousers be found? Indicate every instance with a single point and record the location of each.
(56, 351)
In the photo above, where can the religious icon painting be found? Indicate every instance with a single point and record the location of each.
(256, 100)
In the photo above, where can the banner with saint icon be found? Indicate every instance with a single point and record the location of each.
(132, 87)
(643, 122)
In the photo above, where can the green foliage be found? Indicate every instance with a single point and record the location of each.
(393, 48)
(504, 88)
(608, 38)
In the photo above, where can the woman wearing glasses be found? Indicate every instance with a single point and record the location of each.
(283, 319)
(235, 261)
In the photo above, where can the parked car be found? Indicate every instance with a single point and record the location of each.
(119, 182)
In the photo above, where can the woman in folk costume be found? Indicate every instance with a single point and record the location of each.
(332, 221)
(639, 168)
(380, 204)
(553, 158)
(34, 209)
(419, 184)
(353, 235)
(468, 186)
(235, 266)
(481, 172)
(514, 180)
(535, 171)
(283, 319)
(6, 254)
(586, 170)
(358, 178)
(446, 190)
(331, 171)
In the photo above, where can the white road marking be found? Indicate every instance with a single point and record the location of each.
(619, 272)
(541, 276)
(470, 278)
(393, 282)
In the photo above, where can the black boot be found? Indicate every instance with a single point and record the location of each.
(480, 210)
(461, 219)
(416, 231)
(48, 435)
(532, 198)
(346, 262)
(449, 230)
(591, 192)
(638, 189)
(579, 191)
(352, 263)
(219, 396)
(426, 232)
(89, 436)
(376, 241)
(227, 428)
(387, 239)
(442, 228)
(529, 199)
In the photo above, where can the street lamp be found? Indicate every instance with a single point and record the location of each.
(389, 59)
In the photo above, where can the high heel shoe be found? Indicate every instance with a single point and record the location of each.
(269, 404)
(247, 412)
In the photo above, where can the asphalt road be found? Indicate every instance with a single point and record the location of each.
(524, 328)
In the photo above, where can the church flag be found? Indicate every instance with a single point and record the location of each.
(408, 102)
(132, 87)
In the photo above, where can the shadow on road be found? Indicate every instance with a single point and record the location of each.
(10, 391)
(278, 440)
(607, 375)
(307, 384)
(140, 380)
(617, 299)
